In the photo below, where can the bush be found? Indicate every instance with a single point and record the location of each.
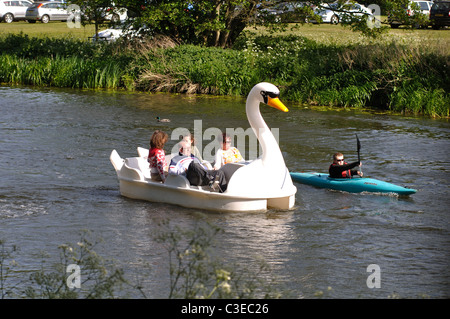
(386, 75)
(60, 63)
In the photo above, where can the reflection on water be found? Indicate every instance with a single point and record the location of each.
(56, 180)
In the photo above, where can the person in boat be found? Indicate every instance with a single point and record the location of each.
(180, 163)
(341, 169)
(188, 165)
(157, 156)
(227, 153)
(194, 149)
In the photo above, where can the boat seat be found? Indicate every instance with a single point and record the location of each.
(143, 153)
(177, 181)
(139, 163)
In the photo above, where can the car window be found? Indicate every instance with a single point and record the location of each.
(15, 3)
(442, 5)
(423, 5)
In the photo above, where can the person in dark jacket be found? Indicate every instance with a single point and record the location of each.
(341, 169)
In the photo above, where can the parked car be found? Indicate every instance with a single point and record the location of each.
(13, 10)
(440, 14)
(47, 11)
(334, 15)
(287, 12)
(424, 8)
(114, 14)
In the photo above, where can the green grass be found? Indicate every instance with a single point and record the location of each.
(54, 29)
(324, 33)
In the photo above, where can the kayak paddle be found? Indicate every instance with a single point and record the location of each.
(358, 146)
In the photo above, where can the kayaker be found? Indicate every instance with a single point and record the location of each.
(341, 169)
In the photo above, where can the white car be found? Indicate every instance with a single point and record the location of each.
(334, 16)
(13, 10)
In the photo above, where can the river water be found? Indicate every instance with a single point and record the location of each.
(57, 180)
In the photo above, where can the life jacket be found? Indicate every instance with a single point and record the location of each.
(345, 174)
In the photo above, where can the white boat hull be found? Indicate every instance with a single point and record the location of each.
(134, 182)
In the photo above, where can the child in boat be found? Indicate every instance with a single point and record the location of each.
(341, 169)
(227, 153)
(195, 151)
(157, 157)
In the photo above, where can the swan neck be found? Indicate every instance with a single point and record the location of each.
(269, 145)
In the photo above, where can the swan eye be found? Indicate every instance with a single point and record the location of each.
(266, 94)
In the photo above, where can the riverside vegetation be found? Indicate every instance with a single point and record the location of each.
(195, 271)
(386, 75)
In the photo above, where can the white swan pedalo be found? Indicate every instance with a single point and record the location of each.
(252, 186)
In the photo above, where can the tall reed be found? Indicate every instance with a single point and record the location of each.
(73, 72)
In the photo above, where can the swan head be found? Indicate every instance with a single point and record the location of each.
(268, 93)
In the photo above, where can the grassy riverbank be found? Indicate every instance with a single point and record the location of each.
(389, 74)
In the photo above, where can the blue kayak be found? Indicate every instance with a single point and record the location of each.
(351, 185)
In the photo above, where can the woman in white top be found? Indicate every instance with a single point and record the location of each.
(227, 154)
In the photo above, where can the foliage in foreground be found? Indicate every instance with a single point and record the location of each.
(384, 75)
(100, 278)
(194, 271)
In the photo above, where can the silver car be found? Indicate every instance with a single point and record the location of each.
(334, 15)
(47, 11)
(13, 10)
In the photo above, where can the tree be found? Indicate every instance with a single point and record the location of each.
(220, 22)
(93, 11)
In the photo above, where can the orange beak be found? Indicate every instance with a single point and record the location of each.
(276, 103)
